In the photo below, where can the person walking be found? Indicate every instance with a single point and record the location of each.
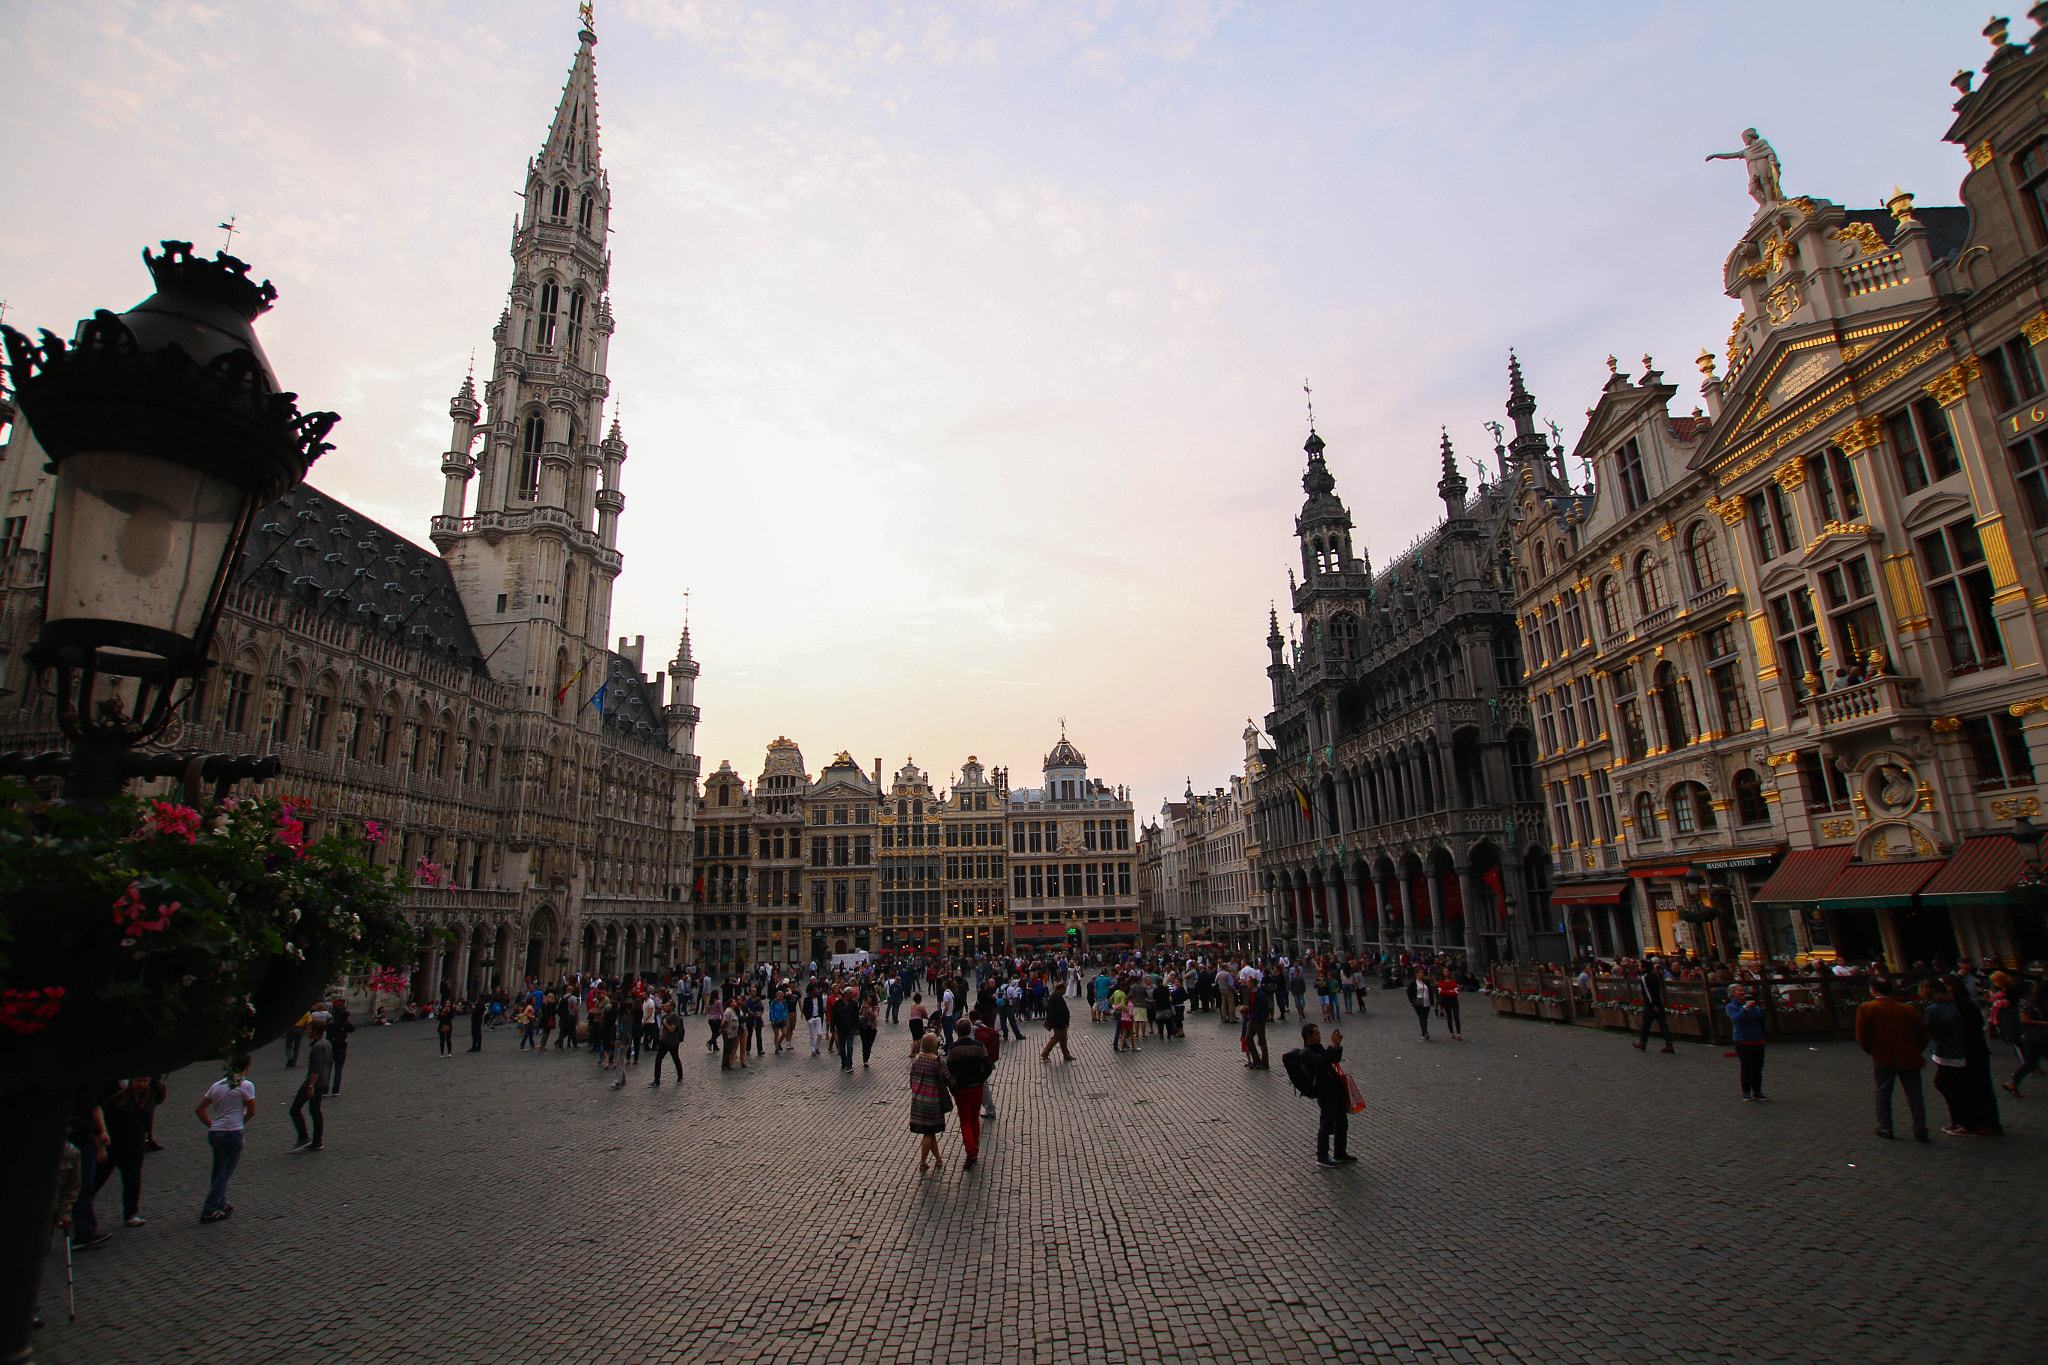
(1962, 1060)
(2033, 1038)
(1226, 996)
(1333, 1097)
(1058, 1020)
(870, 1021)
(668, 1043)
(967, 1066)
(1747, 1017)
(319, 1073)
(992, 1043)
(1894, 1036)
(1258, 1007)
(845, 1024)
(126, 1118)
(1447, 1004)
(444, 1027)
(225, 1109)
(1652, 983)
(1420, 998)
(814, 1016)
(339, 1027)
(478, 1011)
(930, 1097)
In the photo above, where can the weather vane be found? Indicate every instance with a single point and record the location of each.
(229, 228)
(587, 15)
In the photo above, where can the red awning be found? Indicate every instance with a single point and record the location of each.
(1803, 875)
(1589, 893)
(1879, 886)
(1981, 871)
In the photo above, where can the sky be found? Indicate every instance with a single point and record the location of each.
(961, 346)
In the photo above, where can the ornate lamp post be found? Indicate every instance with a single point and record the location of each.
(167, 434)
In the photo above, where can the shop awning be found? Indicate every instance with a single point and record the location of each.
(1589, 893)
(1803, 875)
(1879, 886)
(1979, 873)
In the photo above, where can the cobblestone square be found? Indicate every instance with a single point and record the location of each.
(1537, 1193)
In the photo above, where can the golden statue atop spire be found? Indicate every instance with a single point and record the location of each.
(587, 15)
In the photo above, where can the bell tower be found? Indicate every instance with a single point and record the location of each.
(529, 519)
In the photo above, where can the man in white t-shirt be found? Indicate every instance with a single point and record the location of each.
(225, 1109)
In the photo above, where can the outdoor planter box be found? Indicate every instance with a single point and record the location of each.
(1503, 1003)
(1550, 1009)
(1689, 1025)
(1612, 1018)
(1803, 1021)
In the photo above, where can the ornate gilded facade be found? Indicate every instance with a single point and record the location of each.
(1811, 614)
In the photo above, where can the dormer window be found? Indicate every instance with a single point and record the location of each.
(1635, 489)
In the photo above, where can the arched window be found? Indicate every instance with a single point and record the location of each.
(529, 456)
(1649, 584)
(558, 203)
(1700, 558)
(1691, 810)
(550, 304)
(1646, 817)
(575, 338)
(1542, 562)
(1610, 606)
(1343, 638)
(586, 210)
(1750, 806)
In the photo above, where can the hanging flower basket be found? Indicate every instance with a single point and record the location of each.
(155, 935)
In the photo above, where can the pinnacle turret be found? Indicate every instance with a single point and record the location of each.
(1452, 486)
(1527, 447)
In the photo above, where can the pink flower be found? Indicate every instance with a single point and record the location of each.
(290, 832)
(432, 875)
(30, 1011)
(373, 832)
(167, 817)
(133, 917)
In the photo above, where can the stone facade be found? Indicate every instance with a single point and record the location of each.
(974, 814)
(470, 701)
(1397, 810)
(842, 823)
(1195, 872)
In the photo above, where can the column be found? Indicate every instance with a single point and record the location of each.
(1407, 885)
(1360, 906)
(1475, 942)
(1439, 926)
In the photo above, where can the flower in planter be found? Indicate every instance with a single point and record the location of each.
(373, 832)
(134, 917)
(169, 818)
(30, 1011)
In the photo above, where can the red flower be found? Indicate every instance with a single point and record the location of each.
(133, 916)
(166, 817)
(30, 1011)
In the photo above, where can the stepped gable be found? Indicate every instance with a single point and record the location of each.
(322, 553)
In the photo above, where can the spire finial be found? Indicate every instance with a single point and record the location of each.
(1515, 389)
(588, 14)
(1311, 405)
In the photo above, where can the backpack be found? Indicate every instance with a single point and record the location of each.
(1296, 1064)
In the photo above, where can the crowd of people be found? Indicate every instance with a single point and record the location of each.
(960, 1016)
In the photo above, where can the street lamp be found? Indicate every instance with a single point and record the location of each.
(167, 433)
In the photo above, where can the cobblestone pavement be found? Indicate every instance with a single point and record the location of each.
(1537, 1193)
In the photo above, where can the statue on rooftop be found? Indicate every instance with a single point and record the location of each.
(1762, 163)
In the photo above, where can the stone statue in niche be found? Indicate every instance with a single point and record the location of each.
(1895, 789)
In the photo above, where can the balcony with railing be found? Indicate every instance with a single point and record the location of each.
(1878, 701)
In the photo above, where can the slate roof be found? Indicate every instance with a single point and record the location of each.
(631, 706)
(1948, 228)
(324, 553)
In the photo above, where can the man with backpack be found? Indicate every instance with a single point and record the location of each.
(1312, 1069)
(967, 1063)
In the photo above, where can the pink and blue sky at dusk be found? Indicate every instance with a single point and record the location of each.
(961, 346)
